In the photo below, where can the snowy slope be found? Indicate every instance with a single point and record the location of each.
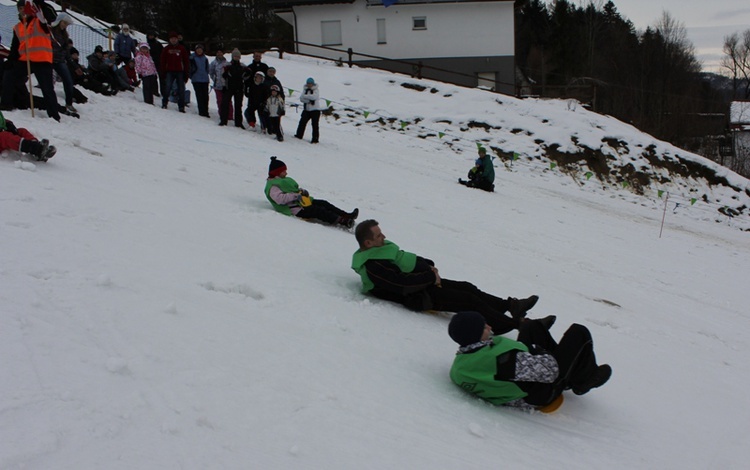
(156, 313)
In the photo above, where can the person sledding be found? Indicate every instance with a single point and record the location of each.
(390, 273)
(482, 175)
(21, 140)
(531, 372)
(287, 197)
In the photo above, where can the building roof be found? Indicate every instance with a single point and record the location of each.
(281, 4)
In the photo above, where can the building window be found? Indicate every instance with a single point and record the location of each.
(381, 30)
(331, 33)
(419, 22)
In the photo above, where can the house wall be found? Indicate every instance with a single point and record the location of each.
(468, 38)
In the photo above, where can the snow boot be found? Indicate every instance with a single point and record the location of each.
(548, 321)
(48, 151)
(353, 214)
(597, 379)
(519, 307)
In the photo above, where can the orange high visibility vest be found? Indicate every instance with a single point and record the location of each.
(32, 40)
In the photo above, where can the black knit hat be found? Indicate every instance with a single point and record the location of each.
(276, 167)
(466, 328)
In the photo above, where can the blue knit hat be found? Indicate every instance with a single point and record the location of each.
(310, 81)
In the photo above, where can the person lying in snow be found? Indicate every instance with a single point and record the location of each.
(482, 176)
(20, 139)
(287, 197)
(390, 273)
(530, 372)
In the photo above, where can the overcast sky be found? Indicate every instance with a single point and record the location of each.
(707, 22)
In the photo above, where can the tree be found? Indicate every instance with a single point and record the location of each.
(736, 61)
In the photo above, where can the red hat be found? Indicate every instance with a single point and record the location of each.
(276, 168)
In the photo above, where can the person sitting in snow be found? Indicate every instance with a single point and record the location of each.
(287, 197)
(21, 140)
(482, 176)
(389, 273)
(127, 76)
(531, 372)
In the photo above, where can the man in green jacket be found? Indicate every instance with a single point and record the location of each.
(389, 273)
(529, 373)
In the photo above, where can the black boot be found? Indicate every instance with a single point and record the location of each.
(32, 147)
(519, 307)
(597, 379)
(354, 214)
(548, 321)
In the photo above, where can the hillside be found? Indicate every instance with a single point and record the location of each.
(158, 314)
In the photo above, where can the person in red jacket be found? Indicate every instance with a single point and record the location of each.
(20, 139)
(174, 70)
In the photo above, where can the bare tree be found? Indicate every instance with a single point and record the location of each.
(736, 61)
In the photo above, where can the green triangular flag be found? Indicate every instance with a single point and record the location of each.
(661, 193)
(404, 124)
(479, 145)
(552, 165)
(328, 103)
(291, 92)
(625, 184)
(441, 134)
(367, 113)
(589, 175)
(515, 156)
(692, 201)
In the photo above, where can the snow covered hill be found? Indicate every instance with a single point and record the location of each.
(156, 313)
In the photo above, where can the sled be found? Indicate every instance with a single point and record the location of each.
(552, 407)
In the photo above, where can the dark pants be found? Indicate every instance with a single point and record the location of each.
(574, 354)
(201, 97)
(226, 98)
(250, 115)
(459, 296)
(64, 72)
(150, 85)
(43, 73)
(323, 211)
(313, 116)
(481, 183)
(274, 127)
(170, 79)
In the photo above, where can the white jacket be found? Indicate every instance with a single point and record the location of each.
(310, 98)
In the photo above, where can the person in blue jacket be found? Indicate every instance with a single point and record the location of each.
(199, 75)
(125, 45)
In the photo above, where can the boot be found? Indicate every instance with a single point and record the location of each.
(32, 147)
(548, 321)
(345, 222)
(597, 379)
(48, 151)
(353, 214)
(519, 307)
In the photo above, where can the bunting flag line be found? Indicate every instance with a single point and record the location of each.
(328, 103)
(404, 124)
(660, 193)
(367, 113)
(440, 135)
(291, 92)
(589, 175)
(692, 201)
(552, 165)
(479, 145)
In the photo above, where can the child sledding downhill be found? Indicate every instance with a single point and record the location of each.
(21, 140)
(482, 175)
(287, 197)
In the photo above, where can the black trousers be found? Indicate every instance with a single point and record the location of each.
(150, 86)
(574, 354)
(459, 296)
(322, 210)
(201, 97)
(43, 73)
(226, 98)
(274, 126)
(309, 116)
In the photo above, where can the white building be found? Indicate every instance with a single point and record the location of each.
(467, 42)
(739, 125)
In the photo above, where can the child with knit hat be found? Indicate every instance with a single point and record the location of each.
(529, 373)
(287, 197)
